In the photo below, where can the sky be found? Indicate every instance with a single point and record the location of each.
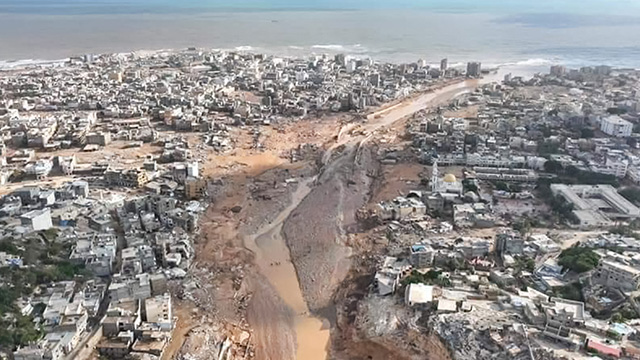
(500, 6)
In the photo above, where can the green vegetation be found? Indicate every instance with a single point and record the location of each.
(524, 264)
(557, 203)
(18, 331)
(628, 313)
(525, 223)
(24, 280)
(432, 277)
(614, 335)
(617, 318)
(631, 193)
(548, 147)
(503, 186)
(624, 231)
(552, 166)
(573, 175)
(579, 259)
(7, 245)
(587, 133)
(563, 208)
(50, 234)
(47, 261)
(571, 291)
(616, 111)
(469, 185)
(15, 329)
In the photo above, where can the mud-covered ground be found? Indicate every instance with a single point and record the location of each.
(316, 230)
(230, 288)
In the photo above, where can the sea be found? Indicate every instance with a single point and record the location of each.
(521, 34)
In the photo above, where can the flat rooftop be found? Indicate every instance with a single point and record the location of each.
(589, 200)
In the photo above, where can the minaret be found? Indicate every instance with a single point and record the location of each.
(434, 177)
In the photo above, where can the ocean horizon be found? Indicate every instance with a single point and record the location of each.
(506, 32)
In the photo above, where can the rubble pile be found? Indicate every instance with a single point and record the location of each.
(208, 342)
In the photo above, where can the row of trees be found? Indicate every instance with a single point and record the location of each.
(503, 186)
(573, 175)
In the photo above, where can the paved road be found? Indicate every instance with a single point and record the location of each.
(403, 109)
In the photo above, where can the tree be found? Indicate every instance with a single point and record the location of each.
(631, 193)
(523, 226)
(624, 231)
(572, 171)
(547, 147)
(7, 245)
(616, 111)
(552, 166)
(502, 186)
(525, 264)
(432, 277)
(628, 313)
(617, 318)
(571, 291)
(579, 259)
(587, 133)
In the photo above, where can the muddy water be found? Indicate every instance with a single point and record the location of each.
(274, 261)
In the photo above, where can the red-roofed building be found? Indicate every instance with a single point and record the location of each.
(604, 349)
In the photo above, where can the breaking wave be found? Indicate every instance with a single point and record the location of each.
(9, 64)
(349, 49)
(531, 62)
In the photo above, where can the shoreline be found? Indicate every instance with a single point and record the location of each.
(519, 67)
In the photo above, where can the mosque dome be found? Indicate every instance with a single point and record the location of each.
(449, 178)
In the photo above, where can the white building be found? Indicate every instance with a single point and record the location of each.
(617, 275)
(388, 275)
(40, 169)
(37, 219)
(634, 174)
(448, 184)
(418, 294)
(617, 168)
(596, 205)
(616, 126)
(193, 169)
(536, 162)
(158, 311)
(352, 66)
